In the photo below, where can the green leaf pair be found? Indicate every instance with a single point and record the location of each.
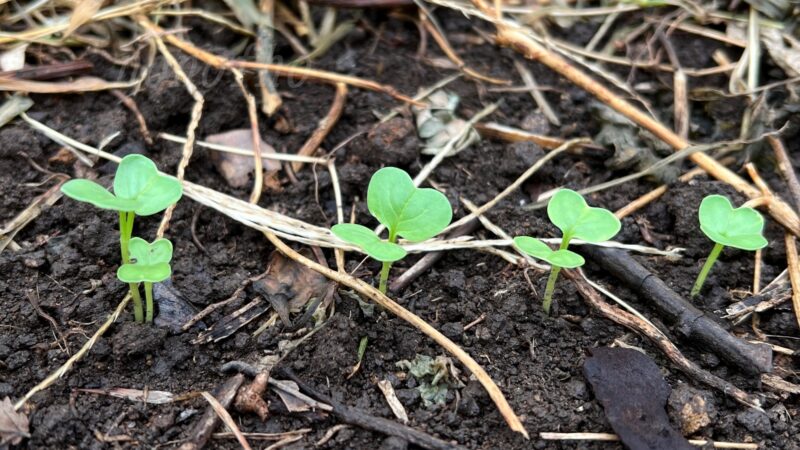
(569, 212)
(149, 262)
(406, 211)
(740, 228)
(138, 188)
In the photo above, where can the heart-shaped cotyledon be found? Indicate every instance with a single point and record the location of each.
(733, 227)
(740, 228)
(569, 212)
(149, 262)
(138, 188)
(407, 212)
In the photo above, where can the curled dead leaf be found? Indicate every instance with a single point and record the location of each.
(236, 169)
(14, 425)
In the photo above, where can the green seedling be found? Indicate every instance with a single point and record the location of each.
(149, 263)
(739, 228)
(406, 211)
(569, 212)
(138, 189)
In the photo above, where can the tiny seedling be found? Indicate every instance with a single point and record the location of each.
(149, 263)
(739, 228)
(406, 211)
(138, 189)
(576, 219)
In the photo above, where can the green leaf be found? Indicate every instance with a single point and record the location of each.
(369, 242)
(407, 211)
(150, 261)
(576, 219)
(739, 228)
(137, 178)
(561, 258)
(91, 192)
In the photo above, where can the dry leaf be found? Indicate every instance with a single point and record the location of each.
(291, 280)
(13, 59)
(83, 84)
(13, 425)
(83, 12)
(786, 57)
(236, 169)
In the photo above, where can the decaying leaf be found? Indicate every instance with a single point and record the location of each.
(13, 425)
(237, 169)
(435, 376)
(437, 123)
(634, 394)
(291, 281)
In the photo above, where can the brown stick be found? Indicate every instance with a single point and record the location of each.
(388, 304)
(669, 349)
(794, 273)
(209, 421)
(785, 165)
(522, 43)
(325, 126)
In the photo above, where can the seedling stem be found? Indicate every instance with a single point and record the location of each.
(125, 233)
(386, 267)
(701, 278)
(148, 294)
(551, 280)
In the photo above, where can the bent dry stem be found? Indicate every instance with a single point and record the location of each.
(701, 278)
(125, 232)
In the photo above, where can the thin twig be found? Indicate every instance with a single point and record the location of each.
(614, 438)
(258, 162)
(197, 111)
(325, 125)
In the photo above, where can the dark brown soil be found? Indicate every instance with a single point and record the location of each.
(70, 255)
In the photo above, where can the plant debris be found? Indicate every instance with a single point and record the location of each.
(634, 394)
(14, 425)
(435, 376)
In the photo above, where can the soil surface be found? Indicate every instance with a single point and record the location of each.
(70, 253)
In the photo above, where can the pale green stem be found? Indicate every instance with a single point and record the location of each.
(548, 291)
(701, 278)
(148, 295)
(384, 276)
(125, 232)
(385, 267)
(551, 280)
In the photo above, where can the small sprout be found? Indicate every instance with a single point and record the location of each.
(739, 228)
(149, 264)
(138, 189)
(407, 211)
(576, 219)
